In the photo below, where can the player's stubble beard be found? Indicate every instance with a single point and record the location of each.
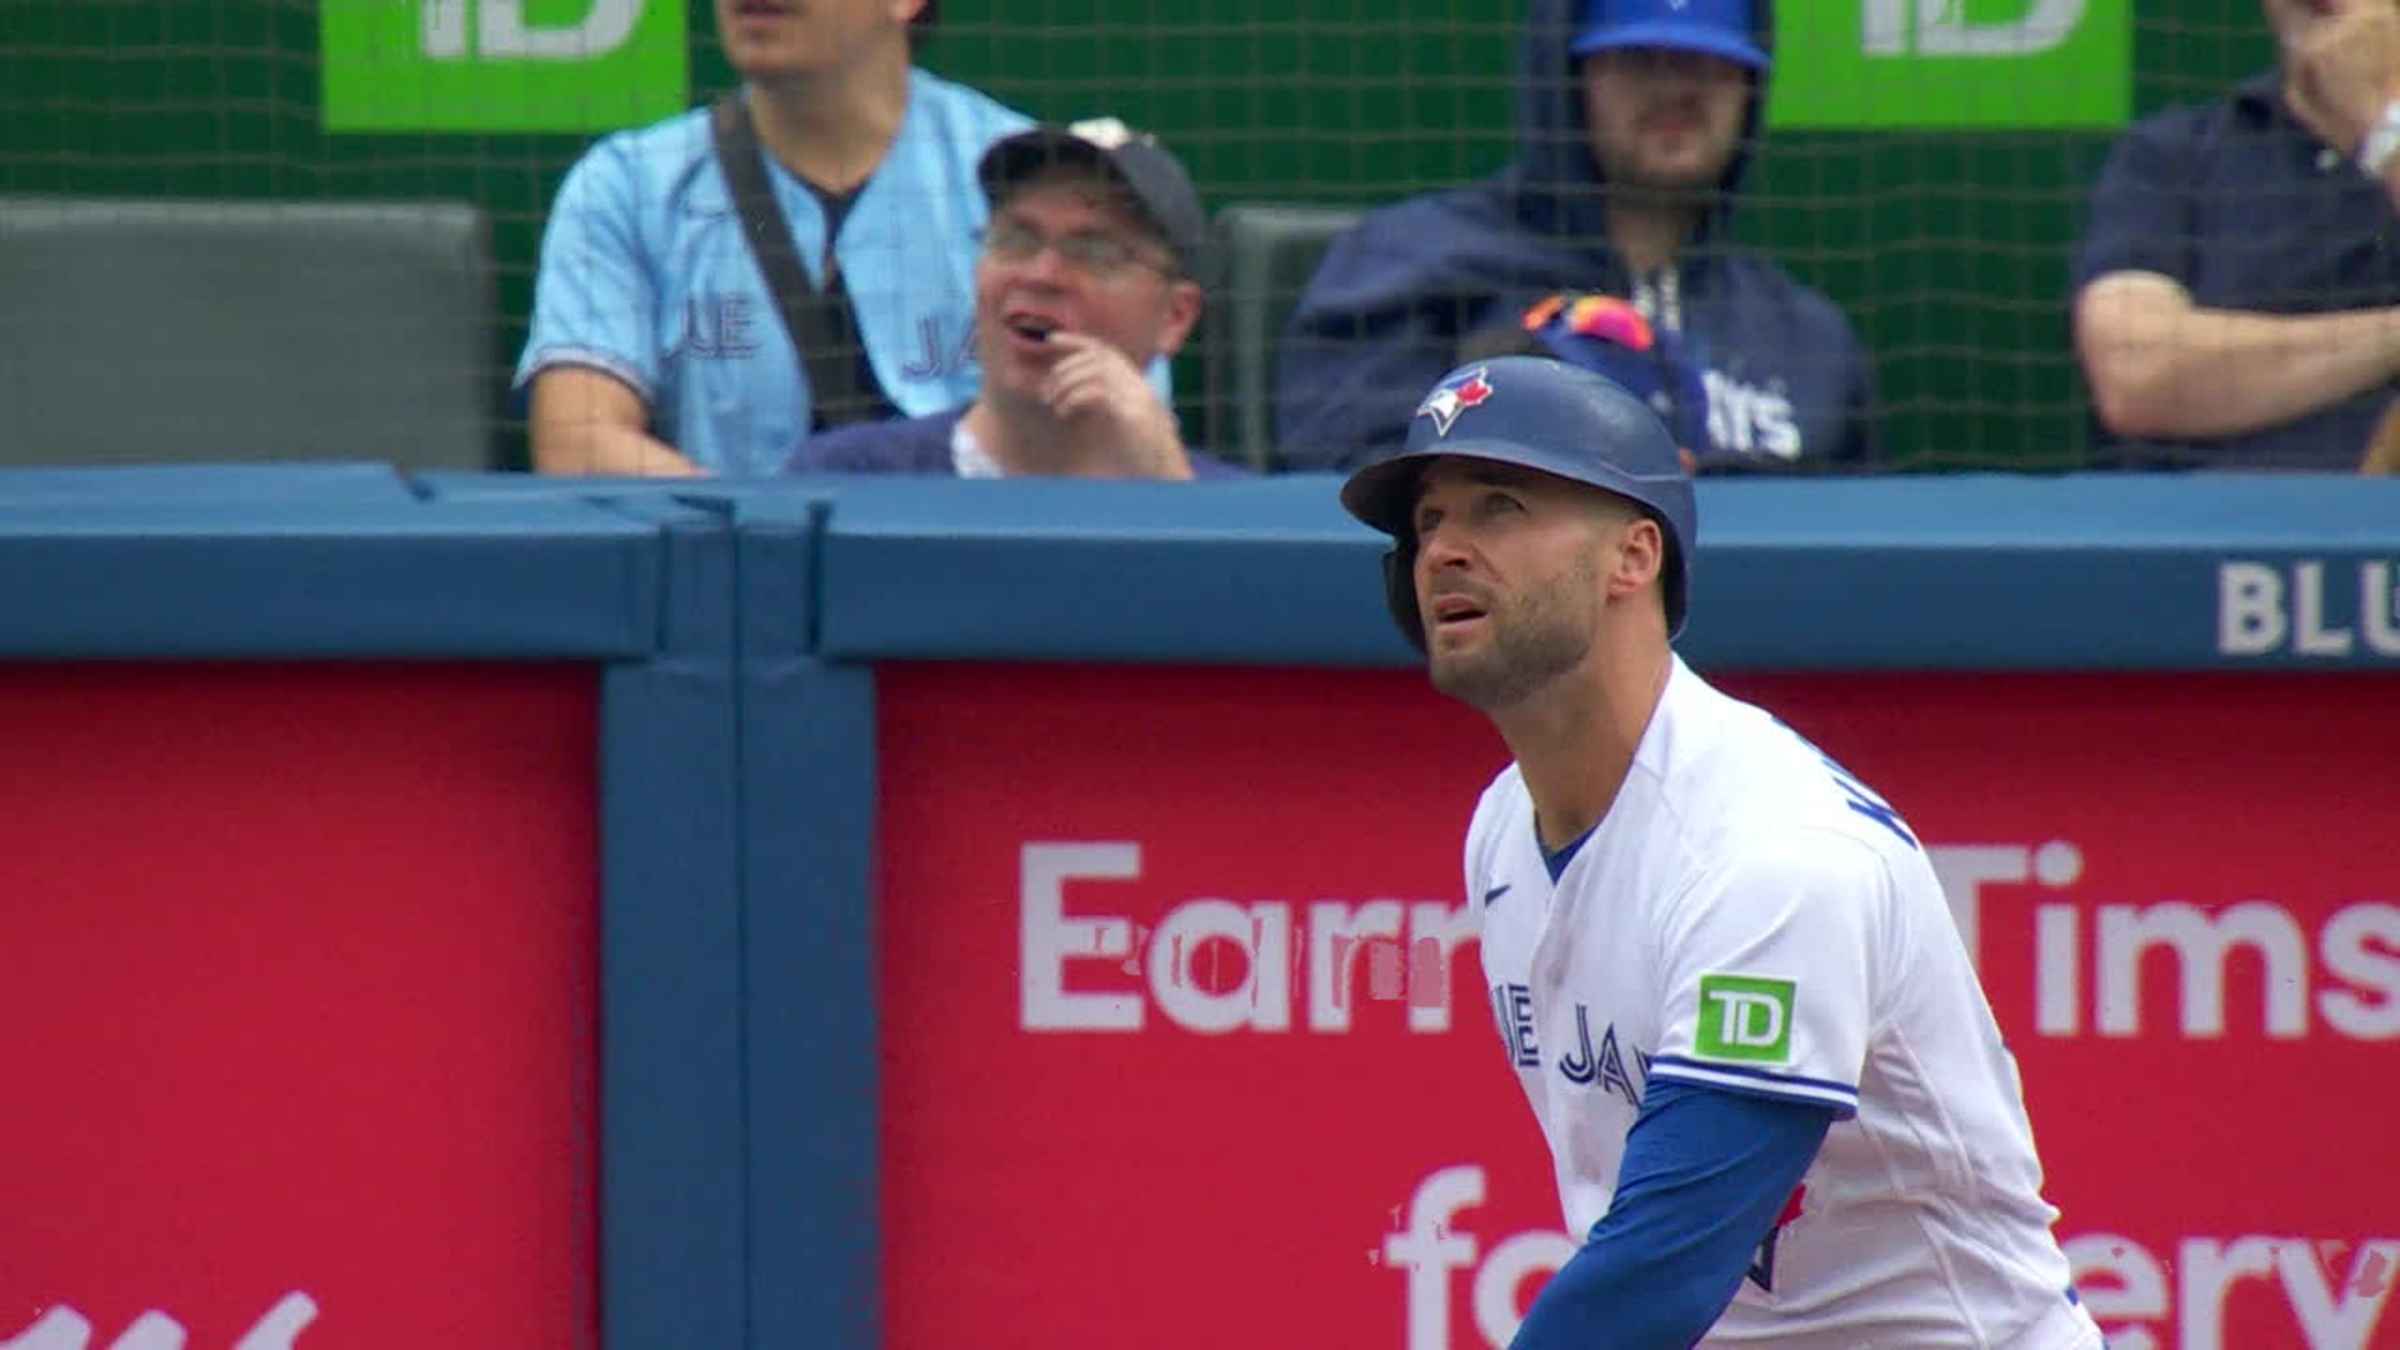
(1536, 636)
(1634, 180)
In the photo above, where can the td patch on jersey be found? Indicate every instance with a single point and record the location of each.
(1746, 1019)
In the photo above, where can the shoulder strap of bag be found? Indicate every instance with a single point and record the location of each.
(821, 326)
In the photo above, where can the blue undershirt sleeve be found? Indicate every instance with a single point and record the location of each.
(1706, 1172)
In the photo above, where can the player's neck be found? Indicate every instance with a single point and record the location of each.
(833, 129)
(1647, 234)
(1574, 741)
(2313, 119)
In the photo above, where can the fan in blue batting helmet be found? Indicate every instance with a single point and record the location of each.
(1534, 413)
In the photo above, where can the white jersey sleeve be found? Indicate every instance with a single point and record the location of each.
(1771, 968)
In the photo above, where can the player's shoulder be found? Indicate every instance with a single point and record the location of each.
(1802, 889)
(649, 167)
(961, 110)
(2195, 123)
(1798, 858)
(1719, 762)
(1764, 289)
(2165, 150)
(1735, 778)
(1429, 240)
(667, 145)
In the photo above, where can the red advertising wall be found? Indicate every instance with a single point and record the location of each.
(297, 966)
(1183, 1047)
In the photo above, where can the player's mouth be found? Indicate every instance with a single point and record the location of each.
(1673, 119)
(1455, 613)
(1029, 331)
(757, 20)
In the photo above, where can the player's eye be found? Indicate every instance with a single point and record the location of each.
(1426, 520)
(1099, 253)
(1012, 240)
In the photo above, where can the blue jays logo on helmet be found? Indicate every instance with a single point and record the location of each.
(1463, 390)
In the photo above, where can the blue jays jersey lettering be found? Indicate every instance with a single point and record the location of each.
(646, 275)
(1749, 417)
(1512, 1012)
(1748, 917)
(1752, 422)
(1602, 1065)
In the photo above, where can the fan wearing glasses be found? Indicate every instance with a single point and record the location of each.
(1091, 271)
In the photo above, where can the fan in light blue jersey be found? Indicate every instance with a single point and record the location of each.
(656, 345)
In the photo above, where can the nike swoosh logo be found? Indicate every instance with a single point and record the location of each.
(1496, 892)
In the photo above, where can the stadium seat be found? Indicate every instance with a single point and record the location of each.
(135, 330)
(1271, 251)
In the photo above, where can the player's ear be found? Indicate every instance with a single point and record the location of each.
(1181, 311)
(1637, 555)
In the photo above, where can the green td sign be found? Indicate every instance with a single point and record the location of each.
(1953, 63)
(502, 65)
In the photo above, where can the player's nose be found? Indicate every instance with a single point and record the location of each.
(1442, 546)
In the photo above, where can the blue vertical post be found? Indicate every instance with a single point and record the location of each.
(674, 1253)
(808, 802)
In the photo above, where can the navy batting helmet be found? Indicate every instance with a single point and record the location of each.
(1540, 414)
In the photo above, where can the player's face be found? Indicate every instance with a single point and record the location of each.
(1508, 576)
(2291, 18)
(770, 39)
(1661, 120)
(1068, 253)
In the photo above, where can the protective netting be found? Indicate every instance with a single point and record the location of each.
(1933, 191)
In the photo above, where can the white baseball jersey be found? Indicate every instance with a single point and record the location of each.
(1749, 916)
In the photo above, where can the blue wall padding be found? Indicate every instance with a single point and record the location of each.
(324, 577)
(207, 484)
(1267, 572)
(674, 1191)
(807, 818)
(2079, 572)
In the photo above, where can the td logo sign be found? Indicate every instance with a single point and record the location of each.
(502, 65)
(1953, 63)
(1745, 1018)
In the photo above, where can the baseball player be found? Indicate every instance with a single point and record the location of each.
(1777, 1105)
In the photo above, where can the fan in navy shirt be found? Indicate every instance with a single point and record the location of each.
(1636, 121)
(2238, 290)
(1091, 271)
